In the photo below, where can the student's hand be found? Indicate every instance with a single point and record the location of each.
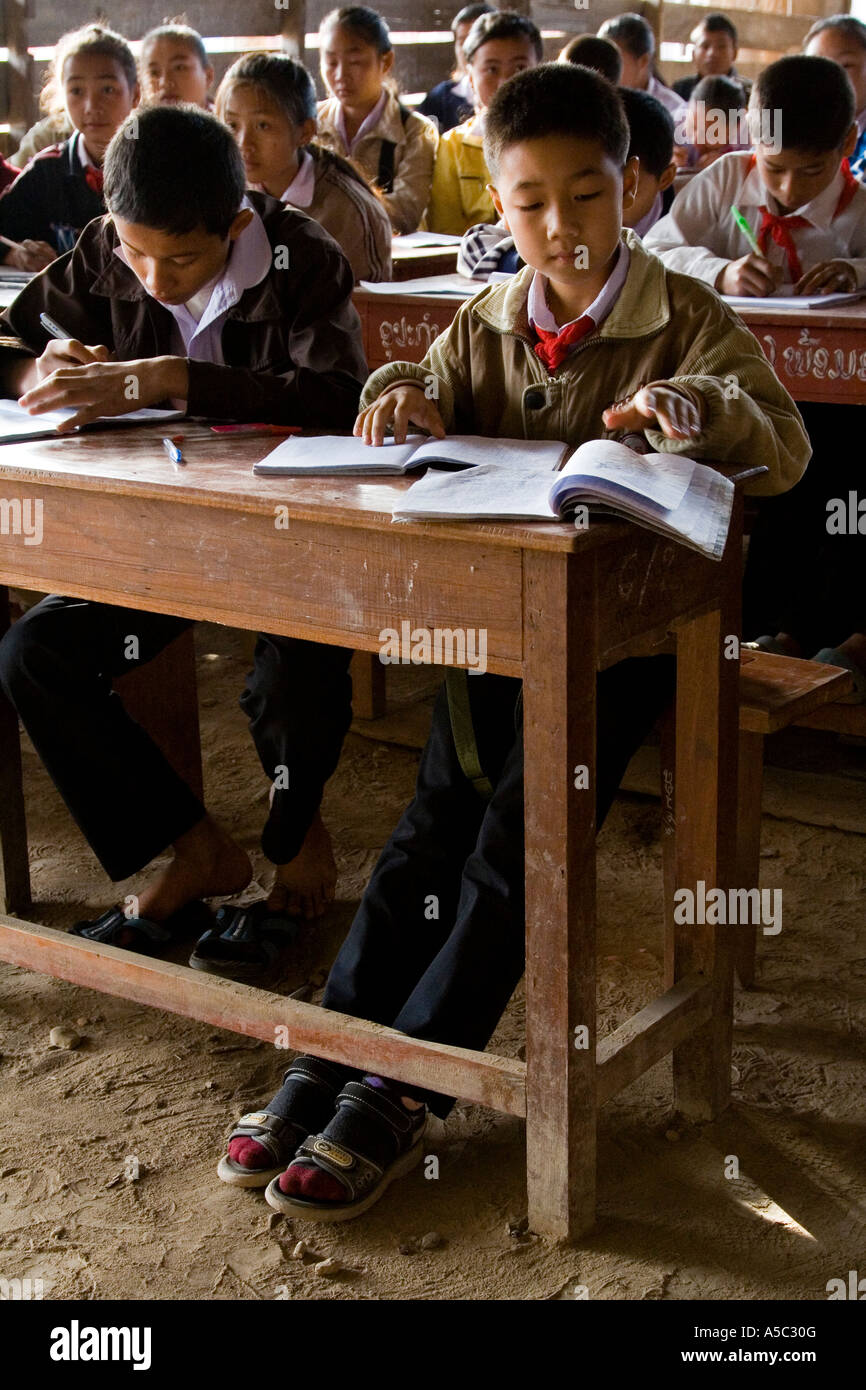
(31, 255)
(827, 277)
(68, 352)
(659, 405)
(108, 388)
(402, 405)
(750, 275)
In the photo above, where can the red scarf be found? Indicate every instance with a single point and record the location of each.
(780, 228)
(553, 348)
(93, 177)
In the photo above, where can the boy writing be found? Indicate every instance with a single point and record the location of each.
(181, 285)
(592, 338)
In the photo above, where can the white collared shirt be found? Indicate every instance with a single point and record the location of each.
(302, 189)
(367, 124)
(650, 218)
(540, 315)
(700, 237)
(670, 99)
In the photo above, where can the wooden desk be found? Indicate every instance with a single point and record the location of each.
(122, 527)
(401, 327)
(411, 261)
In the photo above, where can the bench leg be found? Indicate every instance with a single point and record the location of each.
(750, 786)
(368, 686)
(163, 697)
(14, 864)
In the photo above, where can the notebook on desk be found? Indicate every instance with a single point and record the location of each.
(17, 425)
(793, 301)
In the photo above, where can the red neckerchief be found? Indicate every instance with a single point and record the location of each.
(553, 348)
(93, 177)
(780, 228)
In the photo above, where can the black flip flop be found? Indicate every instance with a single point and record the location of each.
(140, 934)
(246, 943)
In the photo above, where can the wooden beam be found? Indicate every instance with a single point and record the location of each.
(485, 1079)
(644, 1039)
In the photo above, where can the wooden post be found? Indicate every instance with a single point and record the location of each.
(559, 695)
(368, 686)
(14, 863)
(17, 99)
(293, 26)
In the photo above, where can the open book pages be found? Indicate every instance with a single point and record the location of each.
(793, 301)
(302, 456)
(17, 425)
(460, 286)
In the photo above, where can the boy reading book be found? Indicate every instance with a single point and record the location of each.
(181, 286)
(592, 338)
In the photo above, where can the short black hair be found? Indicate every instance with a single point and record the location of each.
(651, 130)
(285, 82)
(469, 14)
(815, 100)
(844, 24)
(722, 93)
(502, 24)
(592, 52)
(555, 99)
(181, 31)
(717, 23)
(631, 32)
(174, 168)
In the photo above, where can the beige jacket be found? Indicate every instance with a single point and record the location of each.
(663, 326)
(414, 155)
(355, 217)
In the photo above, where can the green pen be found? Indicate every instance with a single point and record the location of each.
(746, 229)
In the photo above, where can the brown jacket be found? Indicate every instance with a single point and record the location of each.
(349, 209)
(487, 379)
(292, 344)
(414, 152)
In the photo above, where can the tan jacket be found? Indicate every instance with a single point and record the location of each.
(663, 326)
(414, 154)
(355, 217)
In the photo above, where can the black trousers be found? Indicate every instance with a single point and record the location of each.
(56, 667)
(437, 945)
(801, 579)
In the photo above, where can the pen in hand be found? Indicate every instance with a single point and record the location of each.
(53, 328)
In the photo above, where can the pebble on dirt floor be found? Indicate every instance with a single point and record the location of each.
(61, 1036)
(326, 1269)
(431, 1241)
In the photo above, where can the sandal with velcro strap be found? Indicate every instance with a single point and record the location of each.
(393, 1140)
(278, 1136)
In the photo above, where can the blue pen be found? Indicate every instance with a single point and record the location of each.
(173, 451)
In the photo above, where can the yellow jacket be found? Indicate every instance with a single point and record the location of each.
(488, 380)
(459, 197)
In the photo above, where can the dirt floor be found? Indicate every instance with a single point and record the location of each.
(158, 1089)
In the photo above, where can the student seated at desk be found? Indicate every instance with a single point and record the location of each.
(60, 191)
(715, 124)
(180, 286)
(637, 45)
(560, 352)
(809, 215)
(842, 39)
(486, 250)
(498, 45)
(450, 102)
(268, 102)
(714, 47)
(590, 51)
(364, 120)
(174, 66)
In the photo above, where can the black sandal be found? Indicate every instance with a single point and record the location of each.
(394, 1144)
(140, 934)
(245, 943)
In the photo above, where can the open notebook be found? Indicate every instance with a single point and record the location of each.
(784, 300)
(17, 425)
(666, 493)
(313, 455)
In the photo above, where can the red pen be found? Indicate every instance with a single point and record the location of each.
(256, 429)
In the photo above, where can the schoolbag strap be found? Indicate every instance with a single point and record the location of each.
(463, 731)
(385, 171)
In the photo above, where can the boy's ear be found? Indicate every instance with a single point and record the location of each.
(850, 141)
(667, 177)
(387, 61)
(629, 182)
(497, 203)
(242, 219)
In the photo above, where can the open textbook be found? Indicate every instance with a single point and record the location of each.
(667, 493)
(301, 456)
(17, 425)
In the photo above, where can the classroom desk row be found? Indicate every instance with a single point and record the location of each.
(558, 605)
(818, 355)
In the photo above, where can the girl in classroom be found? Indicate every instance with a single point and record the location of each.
(268, 102)
(174, 66)
(94, 79)
(363, 119)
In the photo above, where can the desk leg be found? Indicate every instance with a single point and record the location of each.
(706, 825)
(14, 864)
(558, 735)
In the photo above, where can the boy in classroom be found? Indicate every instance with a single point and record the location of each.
(174, 66)
(498, 46)
(715, 124)
(637, 45)
(486, 250)
(803, 591)
(364, 120)
(529, 358)
(714, 49)
(451, 101)
(60, 191)
(842, 39)
(589, 51)
(268, 102)
(181, 286)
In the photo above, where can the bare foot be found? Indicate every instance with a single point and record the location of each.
(305, 886)
(207, 863)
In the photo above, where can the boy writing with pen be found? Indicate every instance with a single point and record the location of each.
(228, 306)
(804, 593)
